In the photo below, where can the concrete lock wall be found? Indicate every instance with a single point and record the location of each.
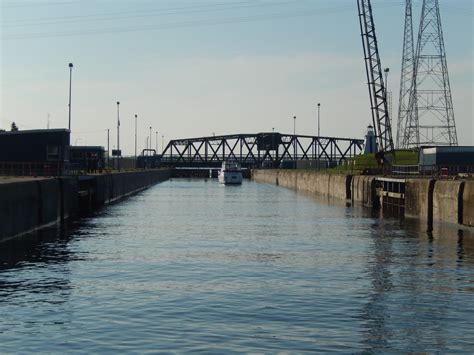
(335, 186)
(363, 191)
(430, 200)
(418, 198)
(18, 207)
(468, 204)
(447, 201)
(28, 205)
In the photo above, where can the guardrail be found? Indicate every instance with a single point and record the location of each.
(438, 171)
(49, 169)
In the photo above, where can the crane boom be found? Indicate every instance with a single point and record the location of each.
(375, 81)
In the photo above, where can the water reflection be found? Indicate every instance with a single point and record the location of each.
(45, 256)
(253, 268)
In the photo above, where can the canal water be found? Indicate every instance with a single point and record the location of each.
(190, 265)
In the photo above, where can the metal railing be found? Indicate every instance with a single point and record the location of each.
(31, 169)
(34, 169)
(437, 171)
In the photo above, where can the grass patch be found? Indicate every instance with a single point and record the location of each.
(363, 162)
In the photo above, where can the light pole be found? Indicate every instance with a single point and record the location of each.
(70, 91)
(387, 99)
(150, 138)
(319, 121)
(319, 131)
(162, 143)
(156, 141)
(118, 135)
(294, 139)
(136, 116)
(108, 146)
(273, 144)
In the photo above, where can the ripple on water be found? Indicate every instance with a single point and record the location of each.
(192, 266)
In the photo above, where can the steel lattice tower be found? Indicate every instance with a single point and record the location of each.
(433, 123)
(406, 81)
(377, 89)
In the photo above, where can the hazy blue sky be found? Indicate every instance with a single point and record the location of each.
(191, 68)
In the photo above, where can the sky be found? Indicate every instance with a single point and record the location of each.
(198, 67)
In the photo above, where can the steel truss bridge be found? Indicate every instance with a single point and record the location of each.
(257, 150)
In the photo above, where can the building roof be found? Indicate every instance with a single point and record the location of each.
(33, 131)
(447, 149)
(86, 147)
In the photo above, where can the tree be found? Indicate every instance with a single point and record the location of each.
(2, 130)
(14, 127)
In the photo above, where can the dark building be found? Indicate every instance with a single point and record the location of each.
(38, 146)
(34, 152)
(87, 158)
(148, 161)
(455, 159)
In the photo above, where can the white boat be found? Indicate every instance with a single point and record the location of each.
(230, 173)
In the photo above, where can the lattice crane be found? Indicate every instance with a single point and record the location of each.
(375, 80)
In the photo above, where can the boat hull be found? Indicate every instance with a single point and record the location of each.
(230, 177)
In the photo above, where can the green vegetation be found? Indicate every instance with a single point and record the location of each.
(363, 162)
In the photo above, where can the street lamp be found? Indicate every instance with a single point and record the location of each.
(118, 134)
(388, 97)
(273, 145)
(162, 143)
(319, 132)
(156, 142)
(108, 146)
(70, 90)
(136, 116)
(150, 138)
(294, 138)
(319, 114)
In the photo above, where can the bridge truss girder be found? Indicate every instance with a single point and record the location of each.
(252, 150)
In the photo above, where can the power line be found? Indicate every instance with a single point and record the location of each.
(193, 23)
(36, 4)
(202, 6)
(93, 18)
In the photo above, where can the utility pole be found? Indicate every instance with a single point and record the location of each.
(162, 143)
(156, 142)
(70, 92)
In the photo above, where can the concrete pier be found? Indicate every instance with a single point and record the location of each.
(27, 204)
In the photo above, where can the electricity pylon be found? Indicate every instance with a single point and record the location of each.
(433, 122)
(407, 75)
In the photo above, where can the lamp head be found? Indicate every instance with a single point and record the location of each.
(70, 65)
